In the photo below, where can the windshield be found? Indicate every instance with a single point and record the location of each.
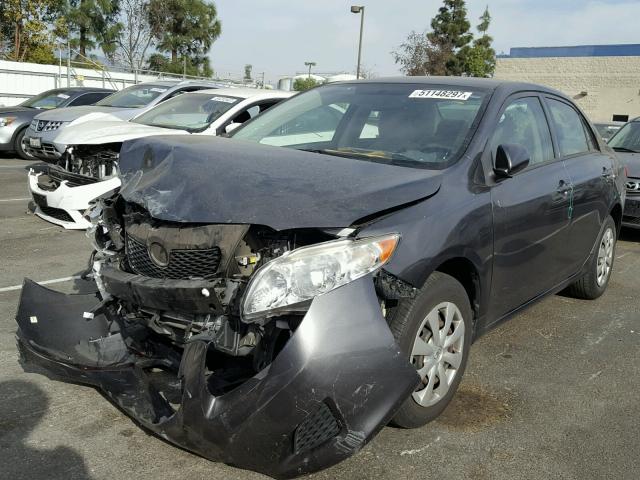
(627, 138)
(192, 112)
(136, 96)
(406, 124)
(46, 100)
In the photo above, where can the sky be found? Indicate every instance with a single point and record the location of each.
(278, 36)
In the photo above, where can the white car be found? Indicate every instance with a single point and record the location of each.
(89, 166)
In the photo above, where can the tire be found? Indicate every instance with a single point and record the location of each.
(17, 146)
(441, 299)
(599, 267)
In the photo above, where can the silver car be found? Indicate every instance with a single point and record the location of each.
(14, 120)
(122, 105)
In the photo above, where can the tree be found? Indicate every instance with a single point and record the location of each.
(197, 66)
(302, 84)
(92, 24)
(450, 35)
(24, 29)
(418, 56)
(481, 58)
(184, 27)
(135, 35)
(447, 48)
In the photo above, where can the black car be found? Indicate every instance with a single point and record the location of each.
(626, 143)
(15, 120)
(274, 308)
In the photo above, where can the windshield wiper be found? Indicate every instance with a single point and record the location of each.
(625, 149)
(390, 158)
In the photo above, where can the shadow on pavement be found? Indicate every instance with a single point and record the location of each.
(630, 235)
(22, 407)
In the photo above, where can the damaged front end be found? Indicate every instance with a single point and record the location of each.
(181, 334)
(62, 191)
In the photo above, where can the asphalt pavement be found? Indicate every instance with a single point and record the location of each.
(553, 393)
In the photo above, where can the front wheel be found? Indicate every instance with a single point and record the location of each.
(595, 281)
(19, 146)
(434, 331)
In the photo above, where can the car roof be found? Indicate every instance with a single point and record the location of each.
(179, 83)
(246, 92)
(81, 89)
(463, 82)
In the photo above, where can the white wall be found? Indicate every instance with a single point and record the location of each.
(602, 86)
(19, 81)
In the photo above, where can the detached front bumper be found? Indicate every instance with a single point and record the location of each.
(338, 380)
(64, 205)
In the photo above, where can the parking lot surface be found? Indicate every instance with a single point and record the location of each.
(553, 393)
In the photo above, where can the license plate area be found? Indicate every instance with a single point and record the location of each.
(35, 142)
(632, 208)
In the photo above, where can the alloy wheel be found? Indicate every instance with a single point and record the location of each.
(437, 352)
(605, 257)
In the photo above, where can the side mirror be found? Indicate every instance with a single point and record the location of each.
(231, 127)
(510, 159)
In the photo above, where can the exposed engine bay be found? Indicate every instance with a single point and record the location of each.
(99, 162)
(186, 282)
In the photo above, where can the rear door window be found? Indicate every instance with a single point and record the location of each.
(569, 128)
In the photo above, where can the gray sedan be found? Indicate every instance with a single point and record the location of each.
(15, 120)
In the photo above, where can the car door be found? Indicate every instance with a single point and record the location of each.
(530, 210)
(591, 174)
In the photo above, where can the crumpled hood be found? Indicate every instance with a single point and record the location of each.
(632, 162)
(69, 114)
(102, 132)
(219, 180)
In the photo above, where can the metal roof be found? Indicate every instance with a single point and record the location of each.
(621, 50)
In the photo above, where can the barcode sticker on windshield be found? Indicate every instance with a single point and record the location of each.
(157, 89)
(62, 95)
(223, 99)
(441, 94)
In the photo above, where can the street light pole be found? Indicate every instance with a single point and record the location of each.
(359, 9)
(310, 64)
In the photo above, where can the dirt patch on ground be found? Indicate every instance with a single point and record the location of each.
(474, 408)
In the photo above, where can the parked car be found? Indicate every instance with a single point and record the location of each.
(626, 143)
(607, 130)
(274, 307)
(15, 120)
(89, 166)
(122, 105)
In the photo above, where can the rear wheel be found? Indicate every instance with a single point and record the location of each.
(434, 331)
(19, 147)
(594, 283)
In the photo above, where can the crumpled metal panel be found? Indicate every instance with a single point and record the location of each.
(339, 356)
(216, 180)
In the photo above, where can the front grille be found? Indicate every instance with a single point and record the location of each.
(631, 220)
(45, 126)
(47, 150)
(316, 429)
(633, 187)
(56, 213)
(181, 265)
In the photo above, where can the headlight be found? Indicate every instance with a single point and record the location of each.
(4, 121)
(304, 273)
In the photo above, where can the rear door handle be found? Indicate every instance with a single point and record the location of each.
(564, 188)
(607, 173)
